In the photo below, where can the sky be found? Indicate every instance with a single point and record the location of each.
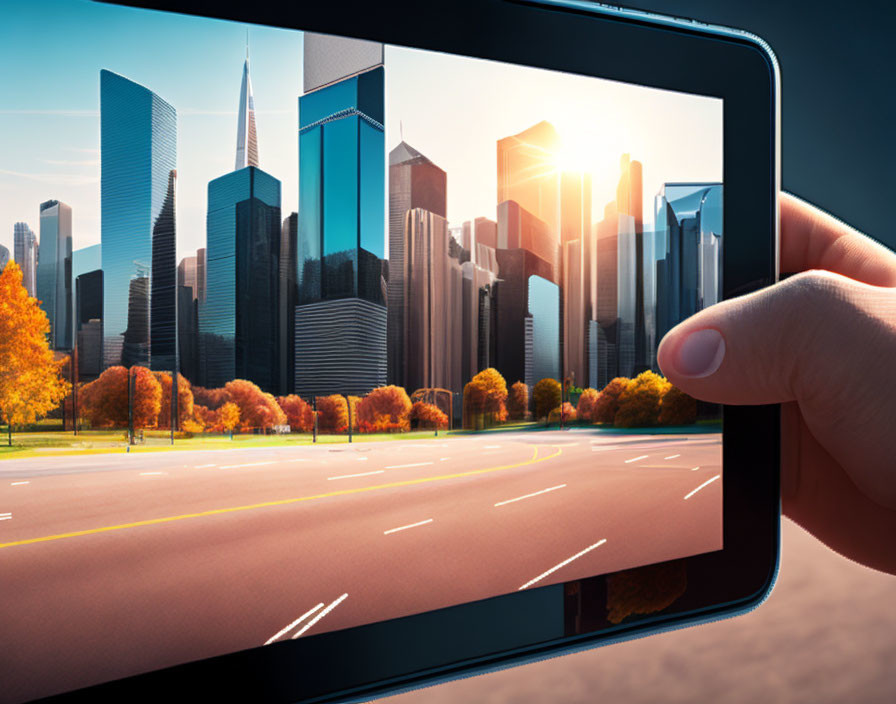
(452, 109)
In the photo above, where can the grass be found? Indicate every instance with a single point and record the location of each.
(91, 442)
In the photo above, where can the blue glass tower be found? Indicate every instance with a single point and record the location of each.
(239, 322)
(341, 314)
(138, 140)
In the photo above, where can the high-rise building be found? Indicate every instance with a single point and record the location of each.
(4, 257)
(25, 249)
(239, 334)
(341, 313)
(138, 143)
(188, 318)
(89, 323)
(689, 229)
(542, 329)
(87, 279)
(289, 232)
(201, 263)
(433, 313)
(246, 136)
(414, 182)
(478, 317)
(54, 271)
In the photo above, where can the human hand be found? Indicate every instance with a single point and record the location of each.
(823, 344)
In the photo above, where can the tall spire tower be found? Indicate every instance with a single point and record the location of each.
(246, 139)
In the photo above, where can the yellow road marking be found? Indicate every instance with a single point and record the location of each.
(280, 502)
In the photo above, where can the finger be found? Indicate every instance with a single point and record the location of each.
(757, 348)
(812, 239)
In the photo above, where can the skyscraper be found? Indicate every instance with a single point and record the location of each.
(288, 296)
(239, 335)
(54, 271)
(246, 137)
(138, 142)
(414, 182)
(341, 312)
(4, 257)
(688, 276)
(187, 319)
(87, 285)
(25, 249)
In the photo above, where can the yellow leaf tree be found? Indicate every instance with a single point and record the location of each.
(30, 381)
(639, 403)
(230, 417)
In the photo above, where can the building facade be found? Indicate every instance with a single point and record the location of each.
(138, 144)
(239, 332)
(25, 251)
(341, 234)
(414, 183)
(54, 271)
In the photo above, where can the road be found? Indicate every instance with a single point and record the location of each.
(122, 563)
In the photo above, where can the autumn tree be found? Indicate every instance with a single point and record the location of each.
(587, 402)
(639, 403)
(495, 390)
(212, 399)
(518, 401)
(568, 411)
(298, 412)
(229, 416)
(474, 405)
(428, 415)
(332, 414)
(147, 398)
(677, 408)
(30, 381)
(104, 401)
(184, 400)
(209, 419)
(257, 408)
(607, 403)
(384, 409)
(546, 397)
(353, 402)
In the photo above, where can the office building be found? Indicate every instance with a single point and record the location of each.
(689, 230)
(4, 257)
(341, 316)
(26, 250)
(188, 318)
(138, 143)
(289, 292)
(54, 271)
(414, 182)
(246, 135)
(239, 334)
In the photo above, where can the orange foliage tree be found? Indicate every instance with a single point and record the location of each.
(104, 401)
(298, 412)
(332, 414)
(428, 415)
(604, 410)
(212, 399)
(353, 402)
(474, 405)
(229, 416)
(569, 413)
(586, 404)
(207, 418)
(30, 381)
(677, 408)
(546, 397)
(495, 390)
(518, 401)
(184, 400)
(257, 408)
(385, 409)
(639, 403)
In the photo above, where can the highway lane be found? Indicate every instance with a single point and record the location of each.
(421, 533)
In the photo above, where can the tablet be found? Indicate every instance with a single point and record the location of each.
(447, 242)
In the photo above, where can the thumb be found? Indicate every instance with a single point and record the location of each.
(786, 342)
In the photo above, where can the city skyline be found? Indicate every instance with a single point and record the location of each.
(57, 155)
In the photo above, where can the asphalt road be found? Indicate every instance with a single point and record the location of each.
(119, 564)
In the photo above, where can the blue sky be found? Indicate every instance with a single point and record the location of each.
(452, 109)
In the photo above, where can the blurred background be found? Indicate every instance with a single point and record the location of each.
(828, 631)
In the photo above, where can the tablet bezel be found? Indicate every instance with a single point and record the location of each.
(578, 37)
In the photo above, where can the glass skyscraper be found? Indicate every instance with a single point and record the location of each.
(25, 250)
(54, 271)
(138, 141)
(341, 312)
(239, 331)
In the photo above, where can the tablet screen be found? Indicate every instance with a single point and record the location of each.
(414, 299)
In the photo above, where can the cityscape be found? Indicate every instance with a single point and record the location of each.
(338, 298)
(390, 259)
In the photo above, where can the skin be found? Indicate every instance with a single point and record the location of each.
(823, 344)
